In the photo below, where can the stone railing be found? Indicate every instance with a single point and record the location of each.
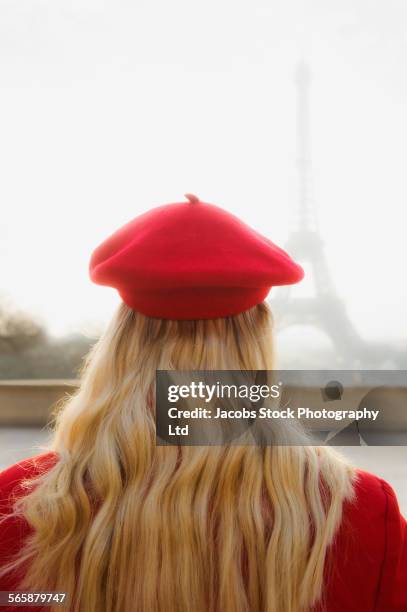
(29, 403)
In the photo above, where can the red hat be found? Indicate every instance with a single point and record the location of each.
(191, 260)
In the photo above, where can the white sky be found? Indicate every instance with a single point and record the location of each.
(108, 108)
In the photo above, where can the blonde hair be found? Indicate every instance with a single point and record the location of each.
(124, 525)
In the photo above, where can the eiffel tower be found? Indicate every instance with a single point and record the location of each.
(324, 310)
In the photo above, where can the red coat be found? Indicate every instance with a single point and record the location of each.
(368, 559)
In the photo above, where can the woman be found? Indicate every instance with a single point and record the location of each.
(122, 524)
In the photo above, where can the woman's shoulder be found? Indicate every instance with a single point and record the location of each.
(14, 528)
(12, 477)
(371, 487)
(374, 508)
(372, 514)
(369, 553)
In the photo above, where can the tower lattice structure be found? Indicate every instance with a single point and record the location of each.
(324, 309)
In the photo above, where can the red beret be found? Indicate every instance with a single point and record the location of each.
(191, 260)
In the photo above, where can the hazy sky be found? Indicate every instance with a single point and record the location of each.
(108, 108)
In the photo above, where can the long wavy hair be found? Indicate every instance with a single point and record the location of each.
(124, 525)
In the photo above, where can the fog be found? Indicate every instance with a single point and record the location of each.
(109, 108)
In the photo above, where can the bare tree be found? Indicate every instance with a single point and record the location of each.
(18, 330)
